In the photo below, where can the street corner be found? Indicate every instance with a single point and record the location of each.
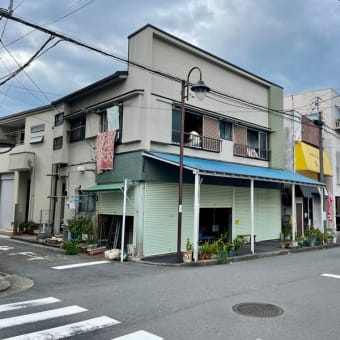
(12, 284)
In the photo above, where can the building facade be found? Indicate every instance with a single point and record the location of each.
(307, 110)
(233, 151)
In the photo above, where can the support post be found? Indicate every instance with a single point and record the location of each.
(196, 214)
(293, 213)
(123, 222)
(252, 245)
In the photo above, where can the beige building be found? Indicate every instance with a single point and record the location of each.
(233, 151)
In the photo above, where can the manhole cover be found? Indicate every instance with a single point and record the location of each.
(259, 310)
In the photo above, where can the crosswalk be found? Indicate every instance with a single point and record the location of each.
(60, 332)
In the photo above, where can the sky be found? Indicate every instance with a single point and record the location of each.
(293, 43)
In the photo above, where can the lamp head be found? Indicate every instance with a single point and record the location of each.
(200, 89)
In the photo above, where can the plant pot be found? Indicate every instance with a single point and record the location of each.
(187, 256)
(83, 248)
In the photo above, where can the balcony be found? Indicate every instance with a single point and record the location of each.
(337, 124)
(21, 161)
(251, 152)
(14, 137)
(196, 141)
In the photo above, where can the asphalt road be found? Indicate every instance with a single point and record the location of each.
(173, 302)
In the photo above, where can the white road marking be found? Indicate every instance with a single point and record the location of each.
(6, 248)
(31, 255)
(331, 275)
(50, 314)
(28, 303)
(68, 330)
(69, 266)
(140, 335)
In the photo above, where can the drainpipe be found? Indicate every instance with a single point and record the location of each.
(196, 214)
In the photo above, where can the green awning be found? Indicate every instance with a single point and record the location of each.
(105, 187)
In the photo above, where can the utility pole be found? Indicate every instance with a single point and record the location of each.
(319, 123)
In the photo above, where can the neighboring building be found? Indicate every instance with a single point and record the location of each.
(233, 157)
(302, 137)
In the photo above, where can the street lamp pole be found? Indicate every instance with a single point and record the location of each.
(200, 89)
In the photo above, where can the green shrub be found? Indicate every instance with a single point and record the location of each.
(71, 247)
(81, 225)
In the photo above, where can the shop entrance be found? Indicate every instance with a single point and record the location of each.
(110, 229)
(214, 222)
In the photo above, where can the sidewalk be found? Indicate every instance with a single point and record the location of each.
(262, 249)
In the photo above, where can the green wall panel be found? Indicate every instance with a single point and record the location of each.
(111, 202)
(267, 214)
(160, 217)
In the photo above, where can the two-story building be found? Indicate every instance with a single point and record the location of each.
(233, 151)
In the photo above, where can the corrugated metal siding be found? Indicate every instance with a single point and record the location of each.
(111, 202)
(160, 217)
(241, 211)
(216, 196)
(267, 214)
(267, 205)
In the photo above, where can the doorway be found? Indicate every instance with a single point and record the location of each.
(214, 222)
(110, 228)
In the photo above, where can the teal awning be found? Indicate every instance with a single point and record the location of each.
(105, 187)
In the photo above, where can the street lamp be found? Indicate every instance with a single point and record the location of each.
(200, 89)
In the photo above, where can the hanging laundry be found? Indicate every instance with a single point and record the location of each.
(105, 144)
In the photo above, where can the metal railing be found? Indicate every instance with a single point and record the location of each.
(251, 152)
(196, 141)
(16, 137)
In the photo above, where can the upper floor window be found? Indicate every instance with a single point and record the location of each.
(57, 143)
(59, 119)
(111, 118)
(200, 131)
(78, 128)
(37, 128)
(226, 130)
(257, 140)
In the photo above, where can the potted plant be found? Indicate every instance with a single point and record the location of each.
(286, 231)
(206, 251)
(187, 254)
(238, 242)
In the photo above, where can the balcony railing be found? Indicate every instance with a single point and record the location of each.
(196, 141)
(251, 152)
(337, 124)
(15, 137)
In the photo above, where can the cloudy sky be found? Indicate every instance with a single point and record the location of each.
(294, 43)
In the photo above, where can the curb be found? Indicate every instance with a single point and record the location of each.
(4, 284)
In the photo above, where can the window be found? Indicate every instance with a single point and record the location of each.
(78, 127)
(226, 130)
(193, 125)
(59, 119)
(36, 139)
(257, 141)
(87, 202)
(57, 143)
(37, 128)
(112, 119)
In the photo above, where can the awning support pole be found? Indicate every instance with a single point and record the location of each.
(293, 213)
(196, 214)
(323, 225)
(123, 222)
(252, 245)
